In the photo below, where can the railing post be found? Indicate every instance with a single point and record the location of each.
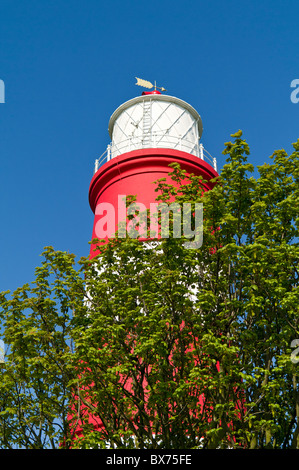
(215, 164)
(201, 151)
(108, 152)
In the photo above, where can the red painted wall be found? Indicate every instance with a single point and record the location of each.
(133, 173)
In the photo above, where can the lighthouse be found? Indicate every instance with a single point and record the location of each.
(147, 134)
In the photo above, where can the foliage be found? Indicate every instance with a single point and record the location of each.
(174, 347)
(35, 392)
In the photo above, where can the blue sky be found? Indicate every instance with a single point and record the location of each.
(67, 65)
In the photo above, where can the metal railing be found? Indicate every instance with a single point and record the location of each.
(171, 142)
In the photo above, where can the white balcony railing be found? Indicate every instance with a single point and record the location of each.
(172, 142)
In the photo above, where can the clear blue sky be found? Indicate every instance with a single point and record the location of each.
(67, 65)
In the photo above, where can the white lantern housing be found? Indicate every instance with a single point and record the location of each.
(155, 121)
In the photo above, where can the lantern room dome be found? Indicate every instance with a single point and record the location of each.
(153, 120)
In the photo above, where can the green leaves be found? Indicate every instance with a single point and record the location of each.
(157, 346)
(37, 324)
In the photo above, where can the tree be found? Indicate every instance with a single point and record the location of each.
(174, 347)
(35, 392)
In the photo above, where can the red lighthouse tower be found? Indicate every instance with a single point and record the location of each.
(147, 134)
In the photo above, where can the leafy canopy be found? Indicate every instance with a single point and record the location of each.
(151, 345)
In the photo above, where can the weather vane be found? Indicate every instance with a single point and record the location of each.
(147, 84)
